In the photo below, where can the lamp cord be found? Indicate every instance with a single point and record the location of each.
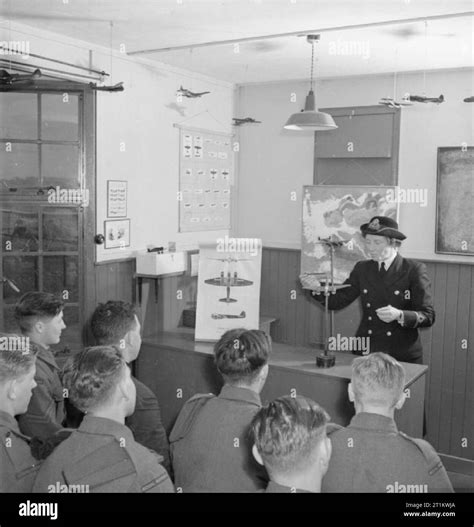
(312, 65)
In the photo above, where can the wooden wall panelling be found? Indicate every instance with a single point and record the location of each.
(435, 372)
(460, 379)
(449, 346)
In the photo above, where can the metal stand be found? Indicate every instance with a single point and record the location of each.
(327, 359)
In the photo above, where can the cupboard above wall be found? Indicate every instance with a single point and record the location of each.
(363, 150)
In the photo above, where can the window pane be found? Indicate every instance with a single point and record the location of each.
(60, 229)
(23, 271)
(18, 165)
(9, 323)
(60, 117)
(19, 231)
(61, 275)
(60, 165)
(19, 114)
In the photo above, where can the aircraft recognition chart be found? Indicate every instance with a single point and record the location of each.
(205, 176)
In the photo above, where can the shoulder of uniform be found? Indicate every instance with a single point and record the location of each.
(188, 414)
(106, 465)
(427, 451)
(331, 428)
(200, 396)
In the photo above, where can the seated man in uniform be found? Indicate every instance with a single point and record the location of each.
(371, 455)
(17, 379)
(40, 317)
(102, 455)
(210, 443)
(115, 323)
(291, 442)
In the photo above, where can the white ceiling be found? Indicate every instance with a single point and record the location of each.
(147, 24)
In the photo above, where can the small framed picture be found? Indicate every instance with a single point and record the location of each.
(117, 234)
(116, 199)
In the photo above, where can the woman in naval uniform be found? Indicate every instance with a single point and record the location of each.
(395, 293)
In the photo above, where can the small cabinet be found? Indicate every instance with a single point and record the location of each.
(363, 150)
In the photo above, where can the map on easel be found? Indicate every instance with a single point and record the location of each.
(205, 175)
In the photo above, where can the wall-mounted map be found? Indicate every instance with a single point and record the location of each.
(339, 212)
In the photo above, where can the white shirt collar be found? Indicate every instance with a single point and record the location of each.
(388, 261)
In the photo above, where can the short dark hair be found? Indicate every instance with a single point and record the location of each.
(111, 321)
(287, 430)
(14, 361)
(92, 375)
(241, 353)
(36, 305)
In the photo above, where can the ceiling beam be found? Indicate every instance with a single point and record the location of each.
(301, 33)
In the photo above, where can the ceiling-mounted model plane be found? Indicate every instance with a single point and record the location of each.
(391, 103)
(422, 98)
(115, 87)
(8, 79)
(469, 99)
(245, 120)
(190, 94)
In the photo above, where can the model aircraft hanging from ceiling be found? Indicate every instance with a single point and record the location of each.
(422, 98)
(184, 92)
(391, 103)
(245, 120)
(9, 79)
(114, 88)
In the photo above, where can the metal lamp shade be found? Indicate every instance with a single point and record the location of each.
(310, 119)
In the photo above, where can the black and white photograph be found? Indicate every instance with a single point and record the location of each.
(236, 257)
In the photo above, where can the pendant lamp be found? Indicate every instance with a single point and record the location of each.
(310, 118)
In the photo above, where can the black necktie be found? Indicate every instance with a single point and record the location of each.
(382, 270)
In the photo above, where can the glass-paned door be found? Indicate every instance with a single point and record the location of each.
(42, 215)
(41, 252)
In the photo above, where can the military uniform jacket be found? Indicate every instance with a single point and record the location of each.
(102, 456)
(405, 286)
(18, 467)
(145, 422)
(45, 412)
(211, 446)
(371, 455)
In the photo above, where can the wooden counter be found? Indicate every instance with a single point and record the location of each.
(176, 367)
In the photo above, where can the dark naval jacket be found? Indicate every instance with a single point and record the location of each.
(405, 286)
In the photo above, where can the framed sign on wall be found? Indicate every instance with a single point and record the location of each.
(117, 234)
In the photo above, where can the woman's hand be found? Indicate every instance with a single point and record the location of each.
(388, 313)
